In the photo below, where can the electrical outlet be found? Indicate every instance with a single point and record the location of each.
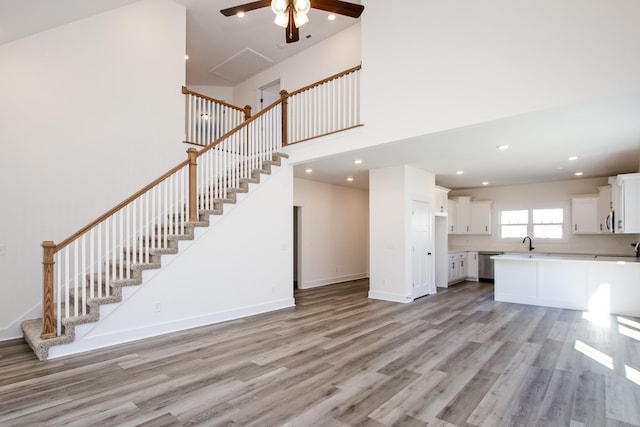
(3, 251)
(158, 307)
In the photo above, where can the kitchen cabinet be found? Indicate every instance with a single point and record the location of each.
(471, 217)
(605, 206)
(584, 214)
(480, 218)
(457, 269)
(441, 200)
(472, 266)
(569, 282)
(463, 226)
(626, 203)
(452, 216)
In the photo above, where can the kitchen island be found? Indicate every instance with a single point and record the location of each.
(606, 284)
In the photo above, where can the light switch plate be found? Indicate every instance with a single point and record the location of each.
(2, 250)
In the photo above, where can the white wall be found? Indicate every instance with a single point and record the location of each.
(209, 280)
(541, 195)
(431, 65)
(391, 192)
(90, 112)
(338, 53)
(334, 232)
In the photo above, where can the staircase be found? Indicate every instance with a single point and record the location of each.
(32, 328)
(94, 267)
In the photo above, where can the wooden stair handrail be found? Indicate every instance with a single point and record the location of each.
(186, 91)
(155, 182)
(119, 206)
(328, 79)
(237, 128)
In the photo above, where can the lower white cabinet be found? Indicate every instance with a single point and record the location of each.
(463, 265)
(457, 267)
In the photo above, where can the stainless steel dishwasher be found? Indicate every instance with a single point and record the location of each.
(485, 266)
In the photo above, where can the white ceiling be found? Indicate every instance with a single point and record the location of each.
(212, 38)
(604, 135)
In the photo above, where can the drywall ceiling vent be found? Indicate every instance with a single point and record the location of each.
(241, 66)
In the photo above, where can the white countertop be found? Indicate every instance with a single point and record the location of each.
(564, 257)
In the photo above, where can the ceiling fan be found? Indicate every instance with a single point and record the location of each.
(292, 14)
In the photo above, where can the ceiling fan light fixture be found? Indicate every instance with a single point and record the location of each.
(302, 6)
(300, 19)
(279, 6)
(281, 19)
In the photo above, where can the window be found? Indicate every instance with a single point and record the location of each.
(514, 223)
(547, 223)
(539, 223)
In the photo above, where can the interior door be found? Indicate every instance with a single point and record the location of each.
(422, 259)
(269, 94)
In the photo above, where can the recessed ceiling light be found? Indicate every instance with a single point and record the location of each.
(357, 161)
(308, 170)
(579, 173)
(573, 158)
(240, 14)
(350, 179)
(459, 172)
(485, 182)
(502, 147)
(331, 17)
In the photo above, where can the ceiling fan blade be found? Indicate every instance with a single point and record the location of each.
(340, 7)
(245, 7)
(292, 33)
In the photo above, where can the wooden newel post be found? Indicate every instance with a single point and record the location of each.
(247, 112)
(284, 96)
(193, 180)
(48, 317)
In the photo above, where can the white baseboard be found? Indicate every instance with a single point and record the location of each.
(332, 280)
(387, 296)
(13, 330)
(101, 341)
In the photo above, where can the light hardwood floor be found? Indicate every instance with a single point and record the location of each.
(339, 359)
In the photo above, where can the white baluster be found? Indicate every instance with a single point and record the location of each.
(92, 262)
(83, 273)
(75, 278)
(59, 296)
(99, 259)
(107, 255)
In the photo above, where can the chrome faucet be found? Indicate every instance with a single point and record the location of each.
(530, 243)
(636, 248)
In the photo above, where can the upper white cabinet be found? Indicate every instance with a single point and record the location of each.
(480, 217)
(605, 206)
(470, 217)
(463, 220)
(626, 203)
(452, 216)
(584, 214)
(441, 200)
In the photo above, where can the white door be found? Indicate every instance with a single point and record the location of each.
(422, 259)
(269, 94)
